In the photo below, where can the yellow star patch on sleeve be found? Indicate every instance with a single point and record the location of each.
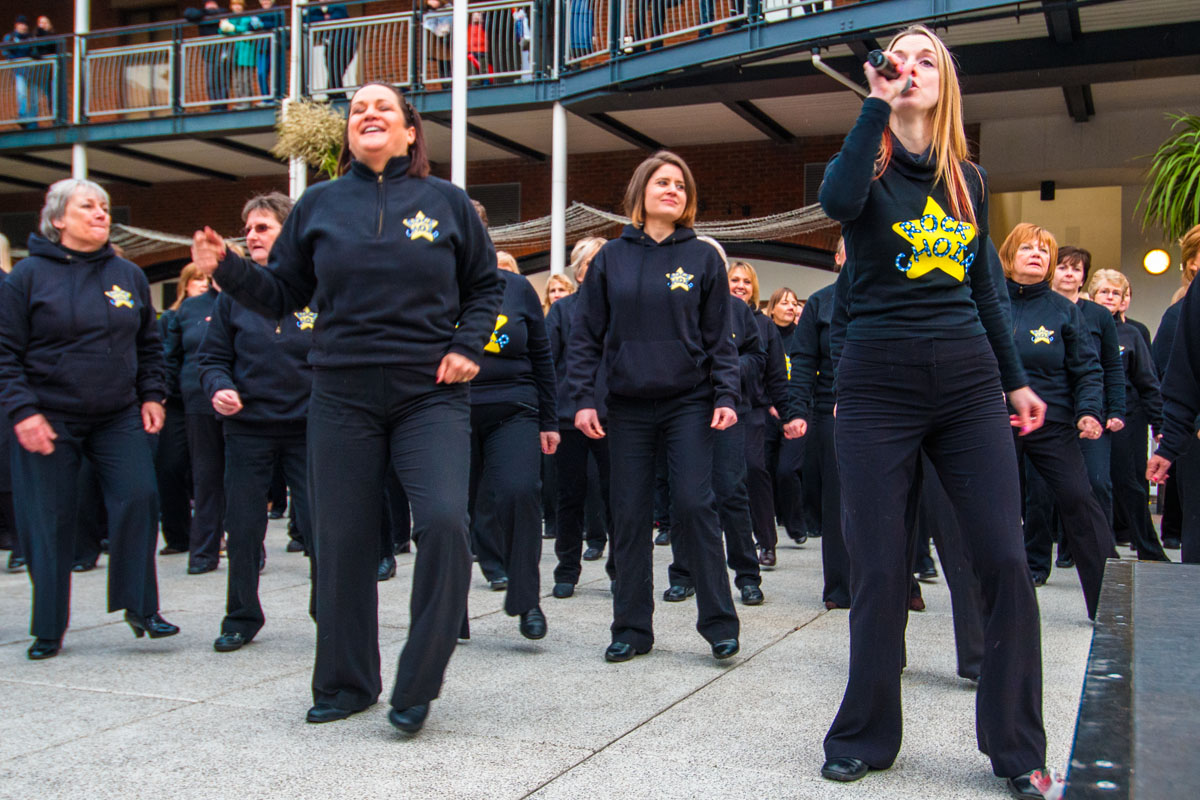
(680, 280)
(938, 241)
(119, 298)
(421, 227)
(305, 319)
(1042, 335)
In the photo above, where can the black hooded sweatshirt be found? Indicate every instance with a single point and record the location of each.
(78, 335)
(812, 365)
(770, 388)
(559, 324)
(1143, 393)
(911, 268)
(1181, 384)
(185, 332)
(1103, 329)
(657, 314)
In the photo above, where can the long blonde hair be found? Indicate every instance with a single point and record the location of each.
(186, 276)
(1190, 245)
(750, 273)
(561, 280)
(949, 144)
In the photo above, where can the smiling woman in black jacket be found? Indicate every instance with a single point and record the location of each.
(81, 376)
(405, 279)
(654, 314)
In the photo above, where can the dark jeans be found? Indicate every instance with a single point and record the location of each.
(206, 444)
(46, 493)
(249, 464)
(1043, 526)
(359, 421)
(942, 395)
(573, 488)
(759, 478)
(506, 512)
(634, 429)
(1131, 495)
(172, 467)
(835, 561)
(733, 510)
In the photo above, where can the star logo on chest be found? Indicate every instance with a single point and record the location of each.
(421, 227)
(118, 297)
(939, 241)
(305, 319)
(679, 280)
(1042, 335)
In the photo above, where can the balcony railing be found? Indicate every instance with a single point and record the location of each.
(170, 67)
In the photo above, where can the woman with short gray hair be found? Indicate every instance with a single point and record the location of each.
(81, 376)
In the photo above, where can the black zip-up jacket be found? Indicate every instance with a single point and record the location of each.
(174, 394)
(559, 324)
(1181, 386)
(658, 314)
(1104, 342)
(1143, 393)
(185, 332)
(265, 362)
(752, 354)
(1053, 343)
(912, 270)
(78, 335)
(401, 269)
(1141, 328)
(770, 387)
(1165, 337)
(812, 363)
(517, 366)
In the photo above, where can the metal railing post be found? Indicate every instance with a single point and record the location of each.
(616, 10)
(178, 70)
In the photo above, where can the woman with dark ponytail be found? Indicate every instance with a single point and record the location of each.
(405, 279)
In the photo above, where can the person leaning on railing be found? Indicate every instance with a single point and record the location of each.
(243, 52)
(216, 75)
(16, 48)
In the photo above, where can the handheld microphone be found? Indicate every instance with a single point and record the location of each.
(886, 67)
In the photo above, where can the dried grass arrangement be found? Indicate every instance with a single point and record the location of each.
(310, 131)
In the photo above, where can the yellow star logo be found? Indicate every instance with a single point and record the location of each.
(421, 227)
(498, 340)
(787, 363)
(305, 319)
(1042, 336)
(680, 280)
(938, 241)
(118, 297)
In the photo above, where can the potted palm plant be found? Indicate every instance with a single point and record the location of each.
(1171, 197)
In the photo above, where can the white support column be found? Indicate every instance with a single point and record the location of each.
(83, 24)
(297, 169)
(458, 97)
(558, 190)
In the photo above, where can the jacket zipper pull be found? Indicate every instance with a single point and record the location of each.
(379, 183)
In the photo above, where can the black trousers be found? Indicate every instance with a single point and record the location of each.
(785, 459)
(822, 458)
(91, 522)
(943, 395)
(172, 467)
(396, 526)
(733, 510)
(596, 513)
(634, 429)
(250, 462)
(1131, 495)
(1172, 513)
(760, 481)
(356, 418)
(1053, 451)
(46, 493)
(1043, 525)
(506, 490)
(575, 452)
(206, 443)
(277, 492)
(1186, 471)
(549, 467)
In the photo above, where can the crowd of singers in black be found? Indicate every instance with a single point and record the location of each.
(370, 349)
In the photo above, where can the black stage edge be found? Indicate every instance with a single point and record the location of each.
(1139, 718)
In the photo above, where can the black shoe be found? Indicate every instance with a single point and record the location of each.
(766, 558)
(83, 566)
(844, 769)
(664, 537)
(154, 625)
(593, 554)
(563, 590)
(44, 648)
(171, 551)
(409, 720)
(327, 713)
(1022, 786)
(1171, 544)
(726, 648)
(752, 595)
(262, 558)
(200, 569)
(228, 642)
(620, 651)
(1064, 562)
(677, 594)
(403, 547)
(273, 514)
(549, 534)
(295, 546)
(814, 534)
(612, 587)
(799, 538)
(387, 569)
(16, 563)
(533, 623)
(1040, 578)
(500, 584)
(927, 573)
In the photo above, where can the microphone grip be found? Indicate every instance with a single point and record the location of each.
(883, 65)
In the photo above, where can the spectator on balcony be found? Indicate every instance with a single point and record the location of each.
(243, 56)
(477, 45)
(265, 21)
(339, 41)
(215, 56)
(16, 49)
(439, 26)
(43, 74)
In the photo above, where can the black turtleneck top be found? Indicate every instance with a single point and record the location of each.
(912, 270)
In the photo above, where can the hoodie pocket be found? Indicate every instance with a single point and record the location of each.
(654, 369)
(90, 383)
